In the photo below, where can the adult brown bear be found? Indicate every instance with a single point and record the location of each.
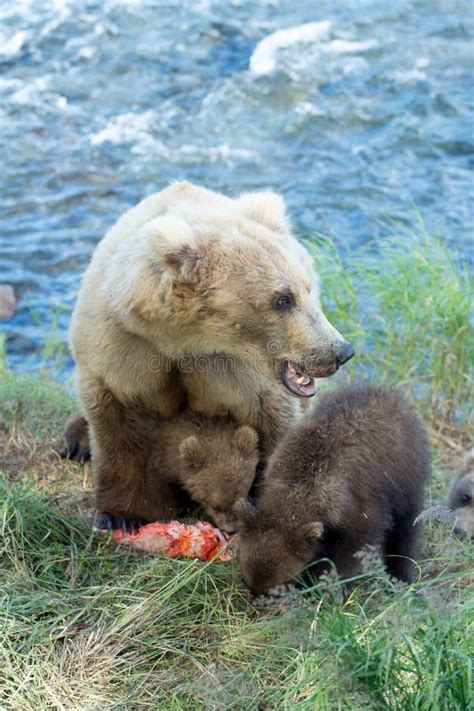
(193, 299)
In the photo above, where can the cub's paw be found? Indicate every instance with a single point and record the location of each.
(105, 522)
(75, 440)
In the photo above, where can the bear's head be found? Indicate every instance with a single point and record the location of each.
(273, 550)
(217, 276)
(218, 467)
(461, 499)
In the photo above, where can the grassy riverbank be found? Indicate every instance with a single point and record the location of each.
(87, 626)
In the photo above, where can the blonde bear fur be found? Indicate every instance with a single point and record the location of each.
(177, 309)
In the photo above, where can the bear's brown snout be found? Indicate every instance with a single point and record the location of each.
(319, 365)
(299, 377)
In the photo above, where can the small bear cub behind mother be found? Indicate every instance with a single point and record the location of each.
(352, 473)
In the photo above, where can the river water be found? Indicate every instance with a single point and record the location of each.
(357, 111)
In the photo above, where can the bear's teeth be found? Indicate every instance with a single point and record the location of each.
(303, 380)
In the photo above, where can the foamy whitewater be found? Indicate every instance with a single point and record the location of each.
(312, 38)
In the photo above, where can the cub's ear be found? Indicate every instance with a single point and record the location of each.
(268, 208)
(245, 511)
(192, 453)
(246, 440)
(171, 240)
(311, 532)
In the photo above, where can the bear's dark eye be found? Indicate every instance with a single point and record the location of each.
(283, 302)
(465, 499)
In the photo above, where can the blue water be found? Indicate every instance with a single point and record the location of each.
(357, 120)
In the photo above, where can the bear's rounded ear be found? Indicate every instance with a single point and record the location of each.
(311, 532)
(268, 208)
(192, 453)
(171, 240)
(245, 511)
(246, 440)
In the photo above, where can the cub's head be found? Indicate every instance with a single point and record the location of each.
(220, 276)
(218, 467)
(272, 551)
(461, 499)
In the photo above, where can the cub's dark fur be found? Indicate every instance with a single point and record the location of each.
(352, 473)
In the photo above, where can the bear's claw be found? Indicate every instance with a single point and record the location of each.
(105, 522)
(74, 451)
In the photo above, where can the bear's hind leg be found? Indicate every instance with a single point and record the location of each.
(75, 440)
(401, 546)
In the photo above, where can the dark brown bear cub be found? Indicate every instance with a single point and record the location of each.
(352, 473)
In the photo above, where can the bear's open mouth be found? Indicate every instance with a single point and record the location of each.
(298, 383)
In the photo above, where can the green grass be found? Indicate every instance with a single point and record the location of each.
(407, 307)
(32, 403)
(85, 625)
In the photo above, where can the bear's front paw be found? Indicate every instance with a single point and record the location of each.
(105, 522)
